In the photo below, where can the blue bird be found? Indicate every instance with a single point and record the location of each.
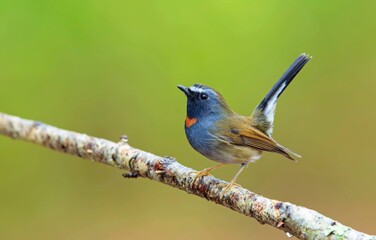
(224, 136)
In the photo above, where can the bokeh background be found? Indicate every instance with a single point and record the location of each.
(108, 68)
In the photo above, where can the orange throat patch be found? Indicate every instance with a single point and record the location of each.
(189, 122)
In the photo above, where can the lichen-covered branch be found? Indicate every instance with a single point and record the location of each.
(295, 220)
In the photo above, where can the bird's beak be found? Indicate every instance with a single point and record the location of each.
(185, 90)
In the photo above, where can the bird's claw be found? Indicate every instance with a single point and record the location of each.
(228, 187)
(200, 174)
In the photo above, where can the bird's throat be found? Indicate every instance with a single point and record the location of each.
(189, 122)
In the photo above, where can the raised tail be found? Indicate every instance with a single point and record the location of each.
(263, 115)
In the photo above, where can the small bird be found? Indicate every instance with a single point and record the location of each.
(224, 136)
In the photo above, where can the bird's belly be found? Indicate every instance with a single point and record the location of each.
(219, 151)
(225, 153)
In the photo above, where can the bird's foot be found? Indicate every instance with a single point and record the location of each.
(205, 172)
(228, 187)
(200, 174)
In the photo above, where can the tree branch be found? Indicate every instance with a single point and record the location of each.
(295, 220)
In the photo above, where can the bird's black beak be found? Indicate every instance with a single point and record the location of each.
(185, 90)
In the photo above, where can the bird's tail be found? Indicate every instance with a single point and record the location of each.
(288, 153)
(263, 115)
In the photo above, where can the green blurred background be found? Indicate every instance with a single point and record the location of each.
(108, 68)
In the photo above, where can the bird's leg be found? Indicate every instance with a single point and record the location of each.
(232, 183)
(206, 171)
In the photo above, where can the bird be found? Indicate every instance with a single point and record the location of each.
(222, 135)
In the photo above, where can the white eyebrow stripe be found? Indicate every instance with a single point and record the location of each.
(196, 89)
(199, 89)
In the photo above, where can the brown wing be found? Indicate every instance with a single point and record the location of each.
(241, 133)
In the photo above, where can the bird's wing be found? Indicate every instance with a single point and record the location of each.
(263, 115)
(248, 136)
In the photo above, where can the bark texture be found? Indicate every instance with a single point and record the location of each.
(298, 221)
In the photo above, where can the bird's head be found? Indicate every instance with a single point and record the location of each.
(204, 101)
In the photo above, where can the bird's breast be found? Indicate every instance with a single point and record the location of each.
(198, 134)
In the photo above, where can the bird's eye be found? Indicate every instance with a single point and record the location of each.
(203, 96)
